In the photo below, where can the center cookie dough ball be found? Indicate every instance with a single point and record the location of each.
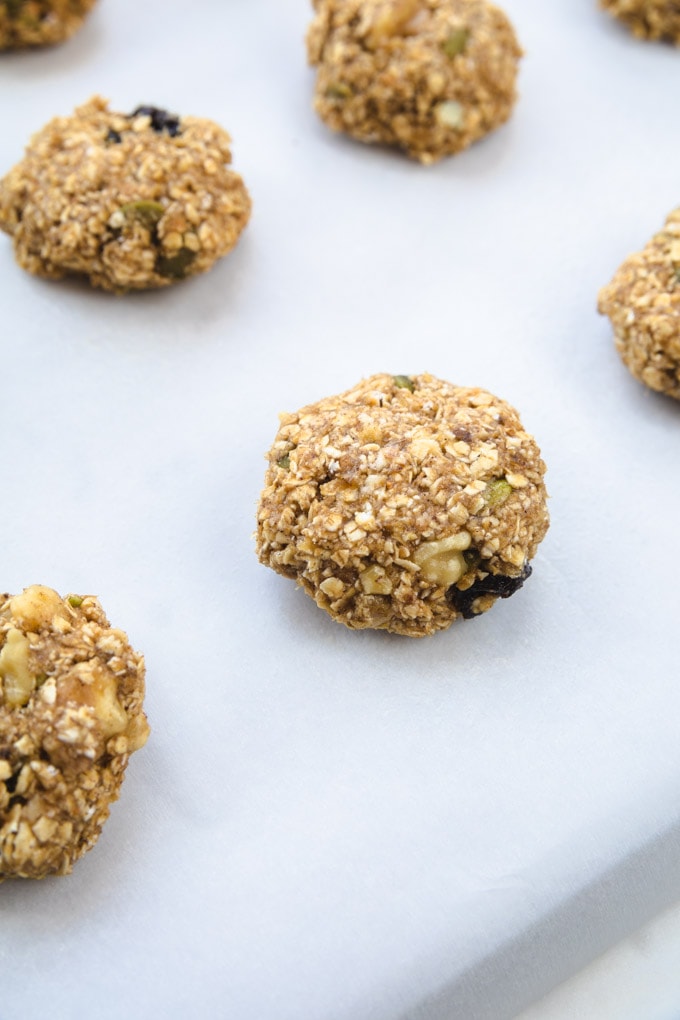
(129, 201)
(71, 692)
(430, 76)
(40, 22)
(643, 303)
(403, 504)
(647, 19)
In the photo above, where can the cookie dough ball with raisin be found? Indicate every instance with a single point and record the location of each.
(71, 692)
(643, 303)
(129, 201)
(429, 76)
(403, 504)
(40, 22)
(647, 19)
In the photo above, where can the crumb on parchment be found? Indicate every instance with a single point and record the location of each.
(404, 503)
(429, 76)
(643, 303)
(71, 693)
(129, 201)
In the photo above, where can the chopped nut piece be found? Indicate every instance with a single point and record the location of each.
(450, 113)
(391, 19)
(18, 682)
(375, 581)
(36, 607)
(441, 561)
(429, 76)
(406, 523)
(68, 722)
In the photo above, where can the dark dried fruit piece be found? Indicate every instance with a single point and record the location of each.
(175, 266)
(113, 136)
(161, 120)
(499, 585)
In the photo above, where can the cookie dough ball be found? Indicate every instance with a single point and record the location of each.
(403, 504)
(40, 22)
(430, 76)
(643, 303)
(129, 201)
(71, 691)
(647, 19)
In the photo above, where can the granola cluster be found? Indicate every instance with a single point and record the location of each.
(429, 76)
(40, 22)
(128, 201)
(71, 692)
(647, 19)
(643, 303)
(403, 504)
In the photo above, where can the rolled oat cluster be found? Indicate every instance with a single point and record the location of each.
(647, 19)
(403, 504)
(429, 76)
(129, 201)
(71, 692)
(643, 304)
(40, 22)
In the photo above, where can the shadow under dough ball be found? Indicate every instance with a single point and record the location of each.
(404, 503)
(643, 303)
(40, 22)
(129, 201)
(71, 693)
(428, 76)
(647, 19)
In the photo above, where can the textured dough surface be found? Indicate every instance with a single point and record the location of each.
(643, 304)
(40, 22)
(128, 201)
(647, 19)
(403, 504)
(429, 76)
(71, 692)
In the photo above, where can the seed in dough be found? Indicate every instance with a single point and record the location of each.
(71, 692)
(429, 76)
(130, 201)
(643, 304)
(40, 22)
(647, 19)
(403, 504)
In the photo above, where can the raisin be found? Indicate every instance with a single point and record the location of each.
(175, 266)
(113, 136)
(161, 120)
(493, 584)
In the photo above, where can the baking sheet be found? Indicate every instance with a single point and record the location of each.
(331, 824)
